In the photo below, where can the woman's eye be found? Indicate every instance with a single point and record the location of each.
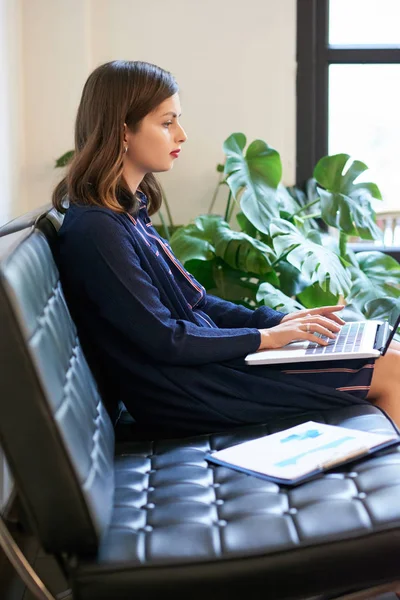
(167, 124)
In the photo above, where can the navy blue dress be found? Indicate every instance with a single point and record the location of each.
(173, 354)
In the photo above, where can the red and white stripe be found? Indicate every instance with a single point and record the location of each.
(168, 253)
(332, 370)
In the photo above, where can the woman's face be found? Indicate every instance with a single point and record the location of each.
(156, 144)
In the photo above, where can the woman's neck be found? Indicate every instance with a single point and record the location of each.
(132, 177)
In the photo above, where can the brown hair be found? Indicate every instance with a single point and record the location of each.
(115, 93)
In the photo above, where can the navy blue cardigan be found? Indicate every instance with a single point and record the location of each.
(124, 266)
(153, 337)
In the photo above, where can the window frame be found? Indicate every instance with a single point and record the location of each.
(314, 56)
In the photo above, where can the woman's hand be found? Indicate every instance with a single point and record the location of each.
(303, 325)
(324, 311)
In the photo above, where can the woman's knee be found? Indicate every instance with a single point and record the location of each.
(386, 374)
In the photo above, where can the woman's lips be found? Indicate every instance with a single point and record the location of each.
(175, 153)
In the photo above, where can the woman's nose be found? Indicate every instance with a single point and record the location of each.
(181, 135)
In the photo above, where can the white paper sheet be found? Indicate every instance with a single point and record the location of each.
(300, 450)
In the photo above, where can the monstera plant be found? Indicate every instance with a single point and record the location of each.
(289, 248)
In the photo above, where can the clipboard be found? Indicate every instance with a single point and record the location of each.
(301, 453)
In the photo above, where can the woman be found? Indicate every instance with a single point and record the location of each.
(153, 337)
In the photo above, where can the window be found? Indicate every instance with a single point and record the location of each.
(348, 87)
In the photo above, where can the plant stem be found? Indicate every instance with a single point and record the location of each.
(282, 257)
(305, 207)
(165, 226)
(228, 204)
(233, 204)
(342, 244)
(215, 194)
(311, 216)
(165, 202)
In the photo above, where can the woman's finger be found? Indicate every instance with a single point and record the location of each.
(312, 328)
(330, 309)
(329, 313)
(329, 323)
(336, 318)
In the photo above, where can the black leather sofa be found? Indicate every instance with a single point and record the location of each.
(132, 518)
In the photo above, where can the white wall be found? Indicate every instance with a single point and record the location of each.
(11, 103)
(56, 61)
(11, 141)
(234, 61)
(235, 64)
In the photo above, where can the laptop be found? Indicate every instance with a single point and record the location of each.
(357, 339)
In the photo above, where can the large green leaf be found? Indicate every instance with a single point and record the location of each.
(310, 204)
(213, 254)
(195, 241)
(274, 298)
(245, 225)
(188, 244)
(345, 204)
(65, 159)
(381, 308)
(288, 205)
(203, 271)
(314, 295)
(351, 313)
(209, 236)
(241, 251)
(254, 178)
(377, 276)
(291, 281)
(316, 262)
(233, 285)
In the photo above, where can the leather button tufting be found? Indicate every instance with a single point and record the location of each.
(222, 523)
(219, 502)
(150, 505)
(147, 528)
(361, 496)
(352, 474)
(292, 511)
(151, 489)
(215, 485)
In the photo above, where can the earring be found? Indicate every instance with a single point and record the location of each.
(125, 149)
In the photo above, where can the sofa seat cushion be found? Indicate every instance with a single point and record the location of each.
(173, 509)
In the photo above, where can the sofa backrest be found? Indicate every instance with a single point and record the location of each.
(55, 432)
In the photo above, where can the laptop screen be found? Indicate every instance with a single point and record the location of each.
(393, 322)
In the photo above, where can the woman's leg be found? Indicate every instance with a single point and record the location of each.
(385, 384)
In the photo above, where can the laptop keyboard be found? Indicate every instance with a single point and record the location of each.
(347, 340)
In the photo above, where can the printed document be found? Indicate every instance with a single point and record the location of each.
(300, 451)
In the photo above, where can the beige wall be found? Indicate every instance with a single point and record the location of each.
(235, 64)
(234, 61)
(11, 142)
(11, 107)
(56, 61)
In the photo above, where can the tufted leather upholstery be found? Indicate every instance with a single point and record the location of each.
(226, 530)
(153, 519)
(54, 404)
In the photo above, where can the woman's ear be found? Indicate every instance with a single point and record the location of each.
(125, 131)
